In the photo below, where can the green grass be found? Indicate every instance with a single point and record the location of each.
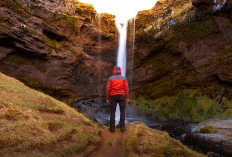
(139, 140)
(188, 105)
(33, 124)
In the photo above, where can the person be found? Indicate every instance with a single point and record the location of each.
(117, 92)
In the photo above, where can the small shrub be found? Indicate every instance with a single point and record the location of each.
(208, 130)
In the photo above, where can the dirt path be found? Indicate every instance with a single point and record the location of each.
(111, 146)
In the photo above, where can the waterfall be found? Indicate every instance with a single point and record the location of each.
(121, 57)
(98, 16)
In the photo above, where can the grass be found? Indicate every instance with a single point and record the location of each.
(35, 124)
(188, 105)
(139, 140)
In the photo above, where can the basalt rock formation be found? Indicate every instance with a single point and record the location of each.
(184, 46)
(61, 47)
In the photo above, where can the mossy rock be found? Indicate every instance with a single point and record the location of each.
(52, 43)
(187, 105)
(208, 130)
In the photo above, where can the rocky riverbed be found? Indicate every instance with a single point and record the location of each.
(214, 143)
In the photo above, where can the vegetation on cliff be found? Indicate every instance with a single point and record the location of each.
(35, 124)
(182, 59)
(188, 105)
(57, 45)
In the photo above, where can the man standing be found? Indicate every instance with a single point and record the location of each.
(117, 92)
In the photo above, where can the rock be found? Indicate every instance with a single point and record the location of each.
(95, 109)
(212, 154)
(42, 41)
(197, 3)
(187, 55)
(220, 142)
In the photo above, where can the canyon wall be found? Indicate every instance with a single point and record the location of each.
(183, 53)
(61, 47)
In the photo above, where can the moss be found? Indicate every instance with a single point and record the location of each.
(188, 106)
(192, 30)
(20, 7)
(208, 130)
(16, 59)
(54, 18)
(78, 9)
(226, 106)
(51, 43)
(37, 84)
(179, 13)
(72, 21)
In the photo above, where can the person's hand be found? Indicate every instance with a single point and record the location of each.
(107, 101)
(127, 100)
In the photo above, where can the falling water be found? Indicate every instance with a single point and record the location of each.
(98, 17)
(121, 57)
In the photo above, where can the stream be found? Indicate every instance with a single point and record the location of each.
(98, 111)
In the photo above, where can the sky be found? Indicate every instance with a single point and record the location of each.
(122, 9)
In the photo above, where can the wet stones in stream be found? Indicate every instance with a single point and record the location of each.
(95, 109)
(219, 142)
(213, 143)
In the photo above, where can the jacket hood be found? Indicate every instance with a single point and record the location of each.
(117, 70)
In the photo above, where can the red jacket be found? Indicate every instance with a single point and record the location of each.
(117, 84)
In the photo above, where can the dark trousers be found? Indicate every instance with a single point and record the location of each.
(113, 104)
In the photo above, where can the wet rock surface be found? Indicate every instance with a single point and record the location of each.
(214, 144)
(220, 142)
(95, 109)
(98, 110)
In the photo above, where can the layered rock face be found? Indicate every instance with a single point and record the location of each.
(61, 47)
(183, 60)
(182, 44)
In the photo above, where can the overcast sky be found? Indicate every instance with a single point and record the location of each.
(123, 9)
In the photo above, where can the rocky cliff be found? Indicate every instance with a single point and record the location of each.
(61, 47)
(183, 57)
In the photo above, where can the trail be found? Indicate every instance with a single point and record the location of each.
(111, 145)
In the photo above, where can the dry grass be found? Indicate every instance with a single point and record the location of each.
(141, 141)
(35, 124)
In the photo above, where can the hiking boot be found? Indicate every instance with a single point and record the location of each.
(112, 126)
(122, 126)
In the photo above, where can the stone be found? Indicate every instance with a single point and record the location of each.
(46, 43)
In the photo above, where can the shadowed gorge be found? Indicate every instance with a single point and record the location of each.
(176, 56)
